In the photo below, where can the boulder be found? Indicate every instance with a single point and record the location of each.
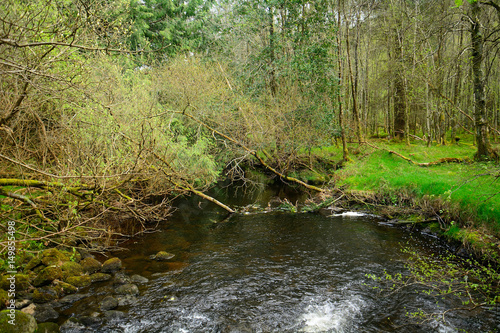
(90, 265)
(70, 299)
(98, 277)
(91, 321)
(47, 275)
(53, 257)
(22, 303)
(24, 323)
(121, 278)
(126, 300)
(79, 281)
(114, 315)
(139, 279)
(127, 289)
(108, 303)
(70, 268)
(65, 288)
(44, 295)
(111, 265)
(22, 282)
(45, 313)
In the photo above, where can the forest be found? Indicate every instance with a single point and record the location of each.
(111, 111)
(112, 108)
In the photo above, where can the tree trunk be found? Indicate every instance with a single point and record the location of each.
(480, 120)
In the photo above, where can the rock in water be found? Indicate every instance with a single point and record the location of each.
(162, 256)
(111, 265)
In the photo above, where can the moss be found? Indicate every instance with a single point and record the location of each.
(22, 282)
(90, 265)
(53, 257)
(47, 328)
(70, 268)
(24, 323)
(47, 275)
(65, 288)
(97, 277)
(111, 265)
(79, 281)
(4, 298)
(44, 295)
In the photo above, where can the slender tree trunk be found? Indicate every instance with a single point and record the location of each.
(354, 92)
(272, 75)
(480, 120)
(345, 151)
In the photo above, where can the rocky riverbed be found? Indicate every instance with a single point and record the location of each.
(55, 280)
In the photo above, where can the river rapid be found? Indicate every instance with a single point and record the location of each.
(269, 271)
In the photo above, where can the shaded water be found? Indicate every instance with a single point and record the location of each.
(278, 272)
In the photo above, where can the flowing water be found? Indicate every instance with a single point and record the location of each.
(279, 272)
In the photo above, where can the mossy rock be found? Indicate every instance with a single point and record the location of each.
(34, 262)
(98, 277)
(111, 265)
(47, 328)
(65, 288)
(90, 265)
(74, 256)
(4, 298)
(22, 282)
(79, 281)
(47, 275)
(24, 323)
(44, 295)
(53, 257)
(70, 268)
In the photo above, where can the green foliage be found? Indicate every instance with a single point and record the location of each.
(469, 281)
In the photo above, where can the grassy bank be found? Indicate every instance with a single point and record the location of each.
(464, 197)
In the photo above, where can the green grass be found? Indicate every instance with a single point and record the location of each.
(473, 186)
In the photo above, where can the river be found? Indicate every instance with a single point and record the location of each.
(279, 272)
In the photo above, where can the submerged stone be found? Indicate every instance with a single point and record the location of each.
(121, 278)
(72, 325)
(162, 256)
(128, 289)
(139, 279)
(24, 323)
(108, 303)
(48, 327)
